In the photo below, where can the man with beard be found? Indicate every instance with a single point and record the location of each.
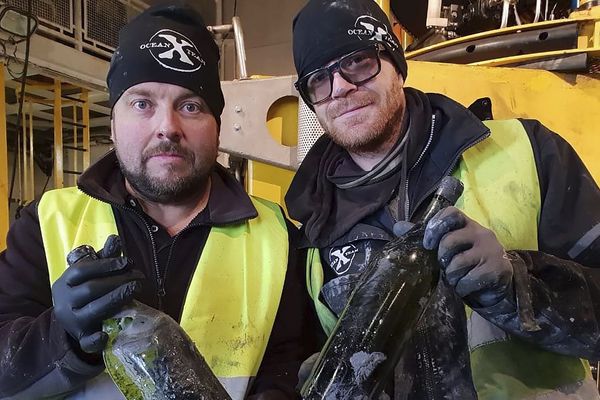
(520, 249)
(190, 241)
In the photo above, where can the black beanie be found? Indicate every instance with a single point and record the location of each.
(167, 43)
(327, 29)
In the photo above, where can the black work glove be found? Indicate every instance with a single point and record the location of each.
(474, 262)
(93, 288)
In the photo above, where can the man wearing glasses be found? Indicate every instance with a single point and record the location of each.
(522, 241)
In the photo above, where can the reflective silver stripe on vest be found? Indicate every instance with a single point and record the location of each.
(585, 242)
(236, 387)
(583, 390)
(481, 332)
(102, 387)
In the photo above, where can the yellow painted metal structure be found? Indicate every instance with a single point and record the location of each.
(25, 151)
(267, 181)
(385, 6)
(588, 41)
(566, 103)
(4, 183)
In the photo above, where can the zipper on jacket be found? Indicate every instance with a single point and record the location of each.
(407, 197)
(446, 173)
(427, 363)
(159, 282)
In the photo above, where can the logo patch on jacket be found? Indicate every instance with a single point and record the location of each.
(340, 258)
(174, 51)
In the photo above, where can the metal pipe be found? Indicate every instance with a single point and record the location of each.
(31, 164)
(385, 6)
(505, 11)
(58, 140)
(78, 25)
(220, 29)
(219, 37)
(240, 48)
(538, 10)
(85, 118)
(218, 12)
(517, 18)
(25, 168)
(74, 154)
(4, 182)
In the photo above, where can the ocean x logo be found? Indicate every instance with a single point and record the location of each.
(372, 29)
(340, 258)
(174, 51)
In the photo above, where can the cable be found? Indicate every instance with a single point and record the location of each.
(505, 11)
(517, 18)
(21, 100)
(538, 10)
(46, 184)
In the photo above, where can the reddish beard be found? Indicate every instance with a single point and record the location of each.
(368, 132)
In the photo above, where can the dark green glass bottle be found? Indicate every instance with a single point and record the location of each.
(381, 314)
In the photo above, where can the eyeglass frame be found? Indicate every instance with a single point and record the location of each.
(335, 67)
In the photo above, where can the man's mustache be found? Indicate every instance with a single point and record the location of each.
(167, 148)
(341, 106)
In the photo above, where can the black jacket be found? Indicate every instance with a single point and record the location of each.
(564, 274)
(37, 355)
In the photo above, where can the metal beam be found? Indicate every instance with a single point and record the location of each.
(85, 116)
(60, 61)
(4, 216)
(31, 164)
(95, 97)
(244, 132)
(58, 142)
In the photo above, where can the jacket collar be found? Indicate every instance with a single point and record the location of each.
(227, 203)
(436, 152)
(432, 153)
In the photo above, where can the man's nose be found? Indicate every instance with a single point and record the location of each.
(340, 86)
(169, 125)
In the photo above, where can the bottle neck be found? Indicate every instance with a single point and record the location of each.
(437, 203)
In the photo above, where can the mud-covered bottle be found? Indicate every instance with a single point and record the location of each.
(150, 357)
(381, 314)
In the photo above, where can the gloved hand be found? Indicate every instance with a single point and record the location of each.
(402, 227)
(94, 287)
(305, 369)
(474, 262)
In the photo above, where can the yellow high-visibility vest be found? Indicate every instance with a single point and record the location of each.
(502, 193)
(234, 294)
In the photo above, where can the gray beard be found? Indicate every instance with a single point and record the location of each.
(173, 191)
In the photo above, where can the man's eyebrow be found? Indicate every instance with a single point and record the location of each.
(189, 95)
(138, 92)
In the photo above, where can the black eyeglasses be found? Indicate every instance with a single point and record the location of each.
(357, 68)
